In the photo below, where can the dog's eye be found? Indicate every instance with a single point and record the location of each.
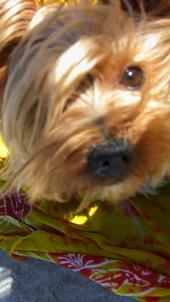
(133, 77)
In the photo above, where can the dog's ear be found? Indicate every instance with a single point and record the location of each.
(15, 17)
(154, 7)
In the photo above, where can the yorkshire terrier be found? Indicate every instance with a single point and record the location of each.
(85, 97)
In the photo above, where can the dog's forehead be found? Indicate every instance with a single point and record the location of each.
(61, 29)
(70, 24)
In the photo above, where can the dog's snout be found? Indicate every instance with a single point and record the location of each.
(111, 161)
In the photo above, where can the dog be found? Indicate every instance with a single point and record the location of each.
(85, 98)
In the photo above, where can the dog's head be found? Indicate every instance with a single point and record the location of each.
(86, 105)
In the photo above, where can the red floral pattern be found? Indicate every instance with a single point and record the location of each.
(15, 206)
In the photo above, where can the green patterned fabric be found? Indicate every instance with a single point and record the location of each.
(133, 234)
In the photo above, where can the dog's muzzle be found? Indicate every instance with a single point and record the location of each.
(112, 161)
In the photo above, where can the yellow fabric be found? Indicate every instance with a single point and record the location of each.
(137, 232)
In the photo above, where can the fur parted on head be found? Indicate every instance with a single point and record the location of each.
(81, 78)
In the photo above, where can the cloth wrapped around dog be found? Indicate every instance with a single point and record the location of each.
(124, 248)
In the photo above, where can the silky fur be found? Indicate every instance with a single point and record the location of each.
(63, 95)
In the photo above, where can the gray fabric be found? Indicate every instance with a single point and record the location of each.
(35, 281)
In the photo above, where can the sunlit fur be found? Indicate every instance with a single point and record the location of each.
(15, 17)
(53, 114)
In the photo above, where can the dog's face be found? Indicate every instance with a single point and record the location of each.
(87, 105)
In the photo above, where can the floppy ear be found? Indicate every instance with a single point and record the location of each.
(154, 7)
(15, 17)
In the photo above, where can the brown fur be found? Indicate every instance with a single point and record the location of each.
(52, 114)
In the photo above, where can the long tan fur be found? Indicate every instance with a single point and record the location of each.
(63, 96)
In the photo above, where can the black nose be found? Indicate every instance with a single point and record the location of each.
(111, 161)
